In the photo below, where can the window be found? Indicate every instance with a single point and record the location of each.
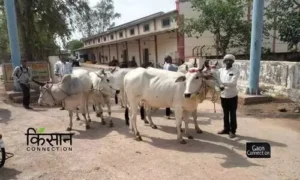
(98, 40)
(131, 31)
(120, 34)
(166, 22)
(104, 38)
(146, 27)
(112, 37)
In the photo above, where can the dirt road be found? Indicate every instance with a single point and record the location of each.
(112, 153)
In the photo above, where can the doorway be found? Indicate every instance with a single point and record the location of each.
(125, 55)
(146, 55)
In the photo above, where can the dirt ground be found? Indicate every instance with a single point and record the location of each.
(112, 153)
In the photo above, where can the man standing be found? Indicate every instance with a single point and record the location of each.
(61, 68)
(169, 67)
(229, 96)
(23, 75)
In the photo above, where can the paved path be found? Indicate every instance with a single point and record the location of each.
(112, 153)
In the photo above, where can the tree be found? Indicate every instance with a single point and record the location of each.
(284, 17)
(98, 19)
(223, 18)
(73, 45)
(41, 22)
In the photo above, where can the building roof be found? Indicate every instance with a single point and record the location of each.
(131, 23)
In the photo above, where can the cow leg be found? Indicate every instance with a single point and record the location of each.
(87, 123)
(88, 112)
(197, 128)
(148, 112)
(71, 122)
(122, 94)
(178, 116)
(107, 101)
(100, 114)
(133, 114)
(77, 116)
(186, 116)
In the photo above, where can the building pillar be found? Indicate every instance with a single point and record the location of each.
(255, 52)
(180, 37)
(109, 59)
(140, 55)
(156, 56)
(12, 29)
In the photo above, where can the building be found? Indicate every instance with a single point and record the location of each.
(148, 39)
(151, 38)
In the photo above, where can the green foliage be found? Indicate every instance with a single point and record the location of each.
(41, 22)
(73, 45)
(97, 19)
(284, 16)
(224, 19)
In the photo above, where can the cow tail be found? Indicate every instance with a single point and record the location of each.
(142, 112)
(126, 109)
(116, 98)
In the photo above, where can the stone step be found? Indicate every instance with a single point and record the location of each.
(19, 99)
(254, 99)
(12, 94)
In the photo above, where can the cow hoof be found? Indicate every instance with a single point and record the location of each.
(182, 141)
(127, 124)
(138, 138)
(111, 125)
(190, 137)
(78, 119)
(97, 115)
(103, 122)
(154, 127)
(69, 129)
(199, 131)
(138, 134)
(90, 120)
(181, 130)
(146, 122)
(87, 127)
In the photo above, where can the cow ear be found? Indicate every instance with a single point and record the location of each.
(181, 79)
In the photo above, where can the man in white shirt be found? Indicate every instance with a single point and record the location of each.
(229, 96)
(23, 76)
(61, 68)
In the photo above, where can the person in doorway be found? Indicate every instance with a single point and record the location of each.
(23, 76)
(169, 67)
(229, 76)
(61, 68)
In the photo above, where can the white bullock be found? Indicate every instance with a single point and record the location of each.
(74, 90)
(160, 89)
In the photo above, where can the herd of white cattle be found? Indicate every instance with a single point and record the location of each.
(144, 88)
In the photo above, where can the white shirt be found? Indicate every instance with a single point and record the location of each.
(166, 66)
(62, 68)
(229, 79)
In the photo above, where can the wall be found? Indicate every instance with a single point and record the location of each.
(166, 45)
(133, 50)
(276, 78)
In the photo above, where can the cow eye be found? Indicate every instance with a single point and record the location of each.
(197, 77)
(107, 80)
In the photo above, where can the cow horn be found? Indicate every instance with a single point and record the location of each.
(38, 83)
(113, 70)
(195, 62)
(206, 63)
(186, 67)
(103, 72)
(217, 63)
(202, 68)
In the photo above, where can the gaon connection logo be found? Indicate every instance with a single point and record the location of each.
(38, 140)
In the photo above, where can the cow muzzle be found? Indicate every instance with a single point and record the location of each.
(188, 95)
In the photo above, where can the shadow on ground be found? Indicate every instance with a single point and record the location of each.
(5, 115)
(8, 173)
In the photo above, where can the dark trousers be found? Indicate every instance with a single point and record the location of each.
(26, 94)
(168, 111)
(229, 106)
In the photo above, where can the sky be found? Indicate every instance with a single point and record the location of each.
(135, 9)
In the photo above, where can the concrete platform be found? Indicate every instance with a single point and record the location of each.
(245, 99)
(17, 97)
